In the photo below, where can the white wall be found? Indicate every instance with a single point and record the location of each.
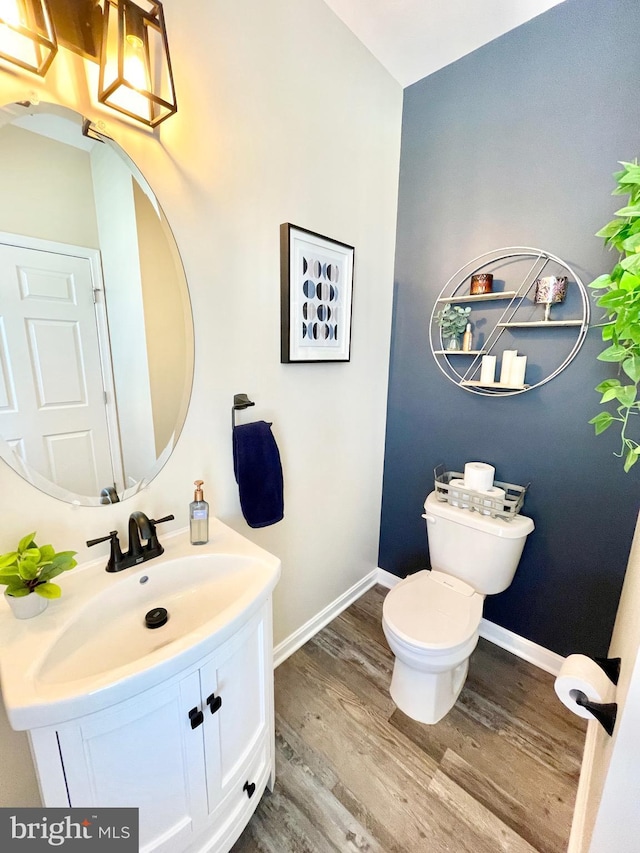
(165, 320)
(37, 198)
(283, 117)
(117, 230)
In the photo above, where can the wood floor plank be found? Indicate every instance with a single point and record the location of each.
(540, 834)
(526, 692)
(479, 830)
(523, 734)
(382, 776)
(366, 668)
(497, 775)
(546, 796)
(305, 814)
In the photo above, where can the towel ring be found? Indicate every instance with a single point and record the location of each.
(240, 401)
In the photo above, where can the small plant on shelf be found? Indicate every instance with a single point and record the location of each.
(452, 320)
(31, 569)
(621, 330)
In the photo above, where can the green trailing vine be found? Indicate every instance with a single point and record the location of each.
(621, 330)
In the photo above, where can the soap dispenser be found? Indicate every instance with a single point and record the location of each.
(199, 516)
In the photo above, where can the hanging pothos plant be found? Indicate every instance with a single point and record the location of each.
(621, 330)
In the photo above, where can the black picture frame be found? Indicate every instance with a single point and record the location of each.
(316, 291)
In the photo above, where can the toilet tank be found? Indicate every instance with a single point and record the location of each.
(478, 549)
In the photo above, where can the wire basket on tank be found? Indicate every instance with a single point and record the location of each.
(449, 487)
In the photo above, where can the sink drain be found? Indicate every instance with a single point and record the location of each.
(156, 618)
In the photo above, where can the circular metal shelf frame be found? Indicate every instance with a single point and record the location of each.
(452, 292)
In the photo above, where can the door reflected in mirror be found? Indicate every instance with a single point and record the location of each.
(96, 333)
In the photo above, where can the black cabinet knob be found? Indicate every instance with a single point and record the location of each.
(196, 717)
(250, 788)
(214, 702)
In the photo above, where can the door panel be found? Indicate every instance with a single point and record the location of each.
(232, 733)
(142, 754)
(51, 388)
(57, 362)
(72, 458)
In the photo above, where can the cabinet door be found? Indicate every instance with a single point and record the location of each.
(237, 725)
(143, 753)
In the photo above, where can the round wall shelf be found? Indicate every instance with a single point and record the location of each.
(549, 335)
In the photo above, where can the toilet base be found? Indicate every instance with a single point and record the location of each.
(426, 696)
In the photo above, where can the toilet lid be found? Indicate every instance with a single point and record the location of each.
(433, 610)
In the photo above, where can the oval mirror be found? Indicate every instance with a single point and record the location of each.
(96, 332)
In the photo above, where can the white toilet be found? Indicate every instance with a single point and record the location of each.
(431, 619)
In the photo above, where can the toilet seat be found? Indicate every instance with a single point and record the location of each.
(433, 611)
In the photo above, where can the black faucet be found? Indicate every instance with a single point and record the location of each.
(139, 527)
(108, 495)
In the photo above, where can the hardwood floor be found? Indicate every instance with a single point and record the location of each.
(499, 773)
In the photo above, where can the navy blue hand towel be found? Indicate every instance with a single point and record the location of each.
(256, 464)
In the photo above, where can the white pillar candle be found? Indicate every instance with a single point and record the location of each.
(507, 362)
(488, 369)
(518, 369)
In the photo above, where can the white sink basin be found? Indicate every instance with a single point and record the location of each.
(92, 648)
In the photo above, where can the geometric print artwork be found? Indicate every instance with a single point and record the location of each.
(316, 281)
(320, 288)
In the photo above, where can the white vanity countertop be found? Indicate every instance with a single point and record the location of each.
(91, 649)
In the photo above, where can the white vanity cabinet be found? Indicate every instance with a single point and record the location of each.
(194, 753)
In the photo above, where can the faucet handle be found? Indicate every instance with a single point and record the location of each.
(160, 520)
(153, 545)
(115, 557)
(113, 535)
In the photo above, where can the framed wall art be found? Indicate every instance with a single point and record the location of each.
(316, 295)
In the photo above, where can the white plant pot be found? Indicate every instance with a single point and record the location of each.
(26, 606)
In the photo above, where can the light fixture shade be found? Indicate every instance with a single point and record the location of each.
(135, 67)
(27, 36)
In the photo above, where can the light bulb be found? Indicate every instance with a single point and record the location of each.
(135, 70)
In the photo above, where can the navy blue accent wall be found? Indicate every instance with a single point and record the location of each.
(515, 145)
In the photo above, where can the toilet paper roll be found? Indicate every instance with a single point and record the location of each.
(478, 476)
(579, 674)
(492, 498)
(457, 493)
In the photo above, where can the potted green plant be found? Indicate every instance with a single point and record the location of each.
(621, 330)
(452, 320)
(30, 570)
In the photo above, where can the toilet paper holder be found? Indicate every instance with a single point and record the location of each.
(611, 667)
(605, 713)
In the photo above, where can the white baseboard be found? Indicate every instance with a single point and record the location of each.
(496, 634)
(385, 578)
(293, 642)
(519, 646)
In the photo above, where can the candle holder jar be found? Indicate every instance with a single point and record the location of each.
(481, 282)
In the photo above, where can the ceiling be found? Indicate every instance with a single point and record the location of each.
(414, 38)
